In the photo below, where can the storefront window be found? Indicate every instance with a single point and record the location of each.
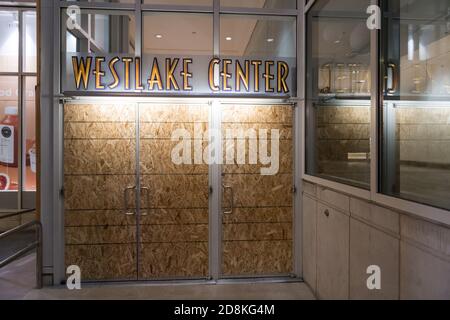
(338, 92)
(9, 133)
(9, 41)
(415, 113)
(266, 4)
(17, 107)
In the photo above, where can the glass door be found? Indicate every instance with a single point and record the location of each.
(174, 189)
(99, 190)
(257, 198)
(119, 155)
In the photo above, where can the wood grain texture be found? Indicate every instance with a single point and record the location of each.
(257, 236)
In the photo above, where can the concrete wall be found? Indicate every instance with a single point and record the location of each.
(343, 235)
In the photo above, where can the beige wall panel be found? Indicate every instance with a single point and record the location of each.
(255, 190)
(177, 191)
(309, 241)
(249, 215)
(174, 233)
(174, 260)
(99, 113)
(257, 257)
(103, 262)
(99, 157)
(99, 130)
(257, 231)
(173, 113)
(97, 192)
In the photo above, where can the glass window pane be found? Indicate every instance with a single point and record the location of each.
(29, 115)
(415, 68)
(257, 36)
(266, 4)
(9, 133)
(178, 34)
(9, 41)
(100, 32)
(181, 2)
(338, 92)
(29, 48)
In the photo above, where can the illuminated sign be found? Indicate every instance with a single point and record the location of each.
(179, 75)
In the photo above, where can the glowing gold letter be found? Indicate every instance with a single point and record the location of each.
(225, 75)
(241, 76)
(155, 78)
(81, 70)
(112, 63)
(282, 74)
(212, 82)
(186, 75)
(170, 69)
(127, 62)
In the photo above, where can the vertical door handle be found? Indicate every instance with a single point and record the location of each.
(147, 195)
(391, 79)
(231, 207)
(125, 192)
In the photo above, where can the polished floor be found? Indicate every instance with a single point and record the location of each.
(17, 282)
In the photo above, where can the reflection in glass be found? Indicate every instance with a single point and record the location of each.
(9, 133)
(100, 32)
(9, 41)
(338, 92)
(29, 44)
(415, 71)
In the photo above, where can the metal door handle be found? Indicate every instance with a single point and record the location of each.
(147, 192)
(125, 192)
(231, 208)
(391, 76)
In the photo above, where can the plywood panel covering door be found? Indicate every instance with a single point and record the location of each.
(173, 221)
(257, 178)
(99, 164)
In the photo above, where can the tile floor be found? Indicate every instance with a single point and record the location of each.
(17, 282)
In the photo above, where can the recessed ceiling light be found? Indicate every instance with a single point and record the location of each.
(337, 41)
(270, 39)
(228, 38)
(158, 36)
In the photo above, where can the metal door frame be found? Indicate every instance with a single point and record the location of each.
(215, 190)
